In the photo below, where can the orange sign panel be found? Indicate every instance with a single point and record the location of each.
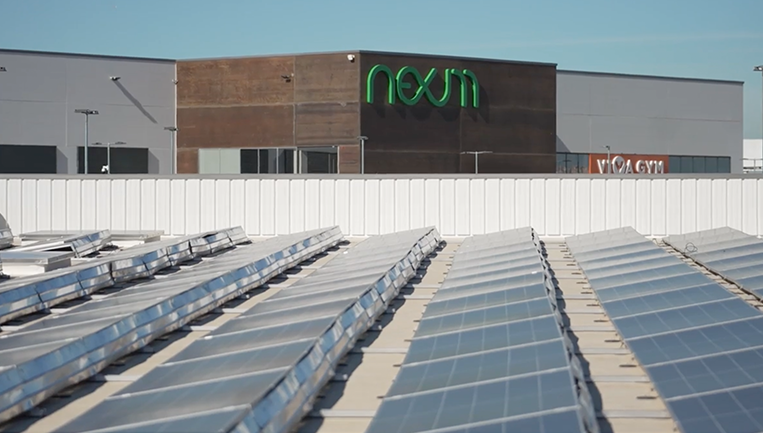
(627, 164)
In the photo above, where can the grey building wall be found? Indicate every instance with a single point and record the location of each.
(40, 91)
(649, 115)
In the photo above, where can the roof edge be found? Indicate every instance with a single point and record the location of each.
(92, 56)
(655, 77)
(386, 53)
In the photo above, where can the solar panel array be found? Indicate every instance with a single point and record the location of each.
(262, 370)
(490, 354)
(25, 295)
(701, 345)
(731, 253)
(45, 357)
(82, 244)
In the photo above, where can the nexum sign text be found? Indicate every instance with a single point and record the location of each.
(399, 88)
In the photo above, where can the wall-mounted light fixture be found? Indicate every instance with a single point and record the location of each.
(2, 69)
(175, 81)
(114, 78)
(287, 77)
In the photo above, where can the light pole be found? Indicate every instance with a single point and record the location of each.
(172, 130)
(108, 152)
(362, 139)
(759, 68)
(87, 112)
(609, 158)
(476, 154)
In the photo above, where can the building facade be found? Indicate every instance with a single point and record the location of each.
(651, 124)
(40, 132)
(357, 112)
(419, 114)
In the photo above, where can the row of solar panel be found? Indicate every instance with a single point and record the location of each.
(262, 370)
(490, 354)
(47, 356)
(25, 295)
(731, 253)
(701, 345)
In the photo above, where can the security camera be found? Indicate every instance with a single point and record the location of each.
(174, 81)
(351, 57)
(105, 169)
(114, 78)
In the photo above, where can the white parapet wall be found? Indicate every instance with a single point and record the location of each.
(456, 205)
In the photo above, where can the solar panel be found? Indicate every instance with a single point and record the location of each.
(489, 353)
(6, 238)
(700, 344)
(262, 370)
(83, 244)
(60, 350)
(731, 253)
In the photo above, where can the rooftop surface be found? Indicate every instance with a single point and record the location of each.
(619, 302)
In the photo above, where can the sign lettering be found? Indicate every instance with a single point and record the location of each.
(620, 165)
(399, 88)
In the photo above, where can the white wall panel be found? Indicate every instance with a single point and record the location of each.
(456, 206)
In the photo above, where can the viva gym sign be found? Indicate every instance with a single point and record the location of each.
(400, 88)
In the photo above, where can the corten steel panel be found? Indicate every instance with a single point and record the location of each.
(411, 128)
(516, 115)
(349, 159)
(411, 162)
(326, 78)
(327, 124)
(593, 161)
(241, 81)
(237, 127)
(508, 163)
(188, 161)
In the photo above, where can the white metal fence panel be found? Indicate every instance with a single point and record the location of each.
(369, 206)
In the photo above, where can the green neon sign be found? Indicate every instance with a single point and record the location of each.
(396, 86)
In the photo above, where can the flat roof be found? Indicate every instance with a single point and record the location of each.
(386, 53)
(654, 77)
(92, 56)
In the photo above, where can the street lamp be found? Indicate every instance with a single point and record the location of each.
(87, 112)
(108, 152)
(609, 158)
(759, 68)
(173, 152)
(362, 139)
(476, 154)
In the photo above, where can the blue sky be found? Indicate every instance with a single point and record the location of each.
(685, 38)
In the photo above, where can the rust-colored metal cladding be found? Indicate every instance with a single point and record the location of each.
(236, 127)
(239, 81)
(349, 159)
(188, 161)
(326, 78)
(514, 115)
(327, 123)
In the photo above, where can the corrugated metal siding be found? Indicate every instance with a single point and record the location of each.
(458, 207)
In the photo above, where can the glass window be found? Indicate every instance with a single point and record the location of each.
(318, 160)
(724, 164)
(674, 164)
(583, 162)
(711, 164)
(561, 162)
(30, 159)
(250, 161)
(687, 165)
(699, 164)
